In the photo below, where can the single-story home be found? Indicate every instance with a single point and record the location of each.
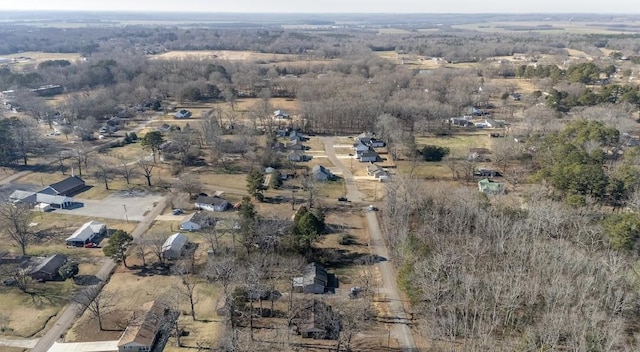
(320, 173)
(87, 233)
(297, 156)
(197, 221)
(487, 186)
(296, 145)
(67, 187)
(214, 203)
(376, 143)
(368, 156)
(377, 171)
(34, 199)
(314, 280)
(360, 147)
(47, 270)
(141, 333)
(174, 246)
(182, 114)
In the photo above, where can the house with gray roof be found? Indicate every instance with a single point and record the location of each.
(321, 173)
(47, 270)
(88, 232)
(174, 246)
(214, 203)
(197, 221)
(67, 187)
(314, 279)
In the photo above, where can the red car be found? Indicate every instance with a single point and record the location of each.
(90, 245)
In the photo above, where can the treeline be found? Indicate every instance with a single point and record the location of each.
(494, 276)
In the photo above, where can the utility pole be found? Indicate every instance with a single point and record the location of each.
(125, 212)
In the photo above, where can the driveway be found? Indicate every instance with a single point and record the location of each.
(118, 206)
(96, 346)
(13, 342)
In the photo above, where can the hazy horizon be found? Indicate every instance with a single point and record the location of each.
(332, 6)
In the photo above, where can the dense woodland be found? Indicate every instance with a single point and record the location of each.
(557, 270)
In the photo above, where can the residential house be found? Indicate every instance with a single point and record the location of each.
(460, 121)
(316, 320)
(296, 145)
(174, 246)
(297, 156)
(491, 123)
(487, 186)
(378, 172)
(142, 332)
(279, 147)
(280, 115)
(47, 270)
(360, 147)
(314, 280)
(182, 114)
(320, 173)
(197, 221)
(88, 232)
(214, 203)
(368, 156)
(297, 136)
(67, 187)
(376, 143)
(487, 173)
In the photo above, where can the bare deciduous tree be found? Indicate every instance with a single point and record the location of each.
(15, 220)
(96, 301)
(147, 166)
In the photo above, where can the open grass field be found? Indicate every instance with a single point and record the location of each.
(550, 27)
(36, 57)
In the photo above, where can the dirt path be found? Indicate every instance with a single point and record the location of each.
(352, 191)
(401, 329)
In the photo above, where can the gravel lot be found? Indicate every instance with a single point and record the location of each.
(122, 206)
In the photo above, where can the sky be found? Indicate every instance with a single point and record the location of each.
(333, 6)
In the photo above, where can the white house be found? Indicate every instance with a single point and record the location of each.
(174, 245)
(211, 203)
(87, 233)
(196, 221)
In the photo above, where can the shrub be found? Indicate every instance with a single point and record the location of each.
(433, 152)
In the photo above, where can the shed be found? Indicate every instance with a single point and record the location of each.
(173, 247)
(47, 270)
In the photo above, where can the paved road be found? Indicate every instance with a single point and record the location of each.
(352, 191)
(14, 342)
(72, 311)
(401, 330)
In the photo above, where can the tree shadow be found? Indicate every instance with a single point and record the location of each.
(86, 280)
(340, 258)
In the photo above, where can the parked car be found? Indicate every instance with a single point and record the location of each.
(90, 245)
(342, 199)
(177, 212)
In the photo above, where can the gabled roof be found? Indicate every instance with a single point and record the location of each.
(67, 184)
(200, 217)
(217, 201)
(52, 199)
(143, 330)
(368, 154)
(374, 168)
(175, 242)
(320, 169)
(51, 264)
(86, 231)
(314, 271)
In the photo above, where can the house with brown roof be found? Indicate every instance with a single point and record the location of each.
(316, 320)
(141, 334)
